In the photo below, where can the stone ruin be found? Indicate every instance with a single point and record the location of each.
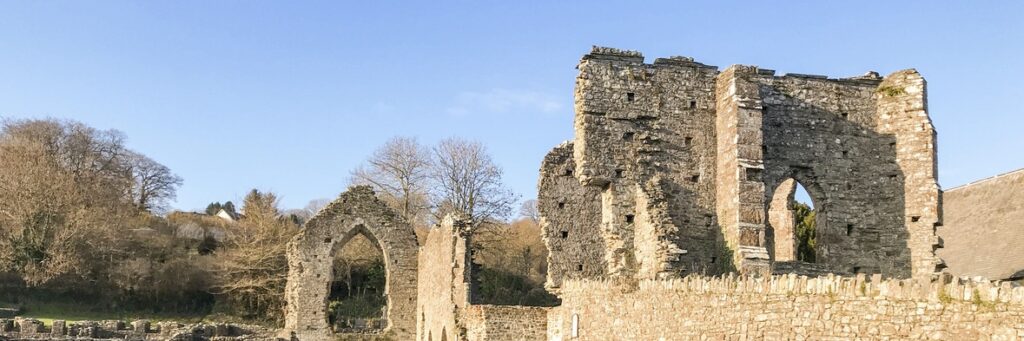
(311, 256)
(678, 168)
(140, 330)
(678, 173)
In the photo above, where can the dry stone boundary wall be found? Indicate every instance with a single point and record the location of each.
(789, 307)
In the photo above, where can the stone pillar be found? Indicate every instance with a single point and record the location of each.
(58, 329)
(740, 191)
(903, 112)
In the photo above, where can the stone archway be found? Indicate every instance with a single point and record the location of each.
(310, 264)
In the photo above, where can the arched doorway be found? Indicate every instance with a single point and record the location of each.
(357, 300)
(311, 262)
(793, 223)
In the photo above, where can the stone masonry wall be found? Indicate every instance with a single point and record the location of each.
(311, 259)
(444, 309)
(687, 167)
(789, 307)
(506, 323)
(444, 282)
(645, 139)
(140, 330)
(571, 221)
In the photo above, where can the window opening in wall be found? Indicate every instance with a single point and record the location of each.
(806, 225)
(695, 178)
(693, 104)
(628, 136)
(849, 229)
(618, 173)
(629, 219)
(846, 153)
(327, 240)
(856, 270)
(565, 234)
(713, 259)
(568, 172)
(753, 174)
(579, 267)
(630, 96)
(575, 325)
(915, 219)
(357, 299)
(846, 115)
(792, 221)
(561, 205)
(688, 141)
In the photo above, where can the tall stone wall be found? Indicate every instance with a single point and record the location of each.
(445, 310)
(571, 221)
(687, 167)
(645, 140)
(445, 280)
(788, 308)
(311, 259)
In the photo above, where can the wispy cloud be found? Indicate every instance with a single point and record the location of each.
(503, 101)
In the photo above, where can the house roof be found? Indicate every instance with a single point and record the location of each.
(983, 228)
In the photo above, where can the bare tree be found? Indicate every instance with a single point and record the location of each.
(398, 171)
(153, 184)
(529, 210)
(468, 181)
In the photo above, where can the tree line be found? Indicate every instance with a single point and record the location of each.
(84, 217)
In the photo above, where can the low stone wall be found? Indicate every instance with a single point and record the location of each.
(789, 307)
(500, 323)
(32, 329)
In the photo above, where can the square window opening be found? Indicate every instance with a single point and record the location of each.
(630, 96)
(629, 219)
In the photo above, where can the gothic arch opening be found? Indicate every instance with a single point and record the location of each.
(357, 216)
(357, 299)
(793, 223)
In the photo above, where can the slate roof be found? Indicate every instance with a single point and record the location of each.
(983, 228)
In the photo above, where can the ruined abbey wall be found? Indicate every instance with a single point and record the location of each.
(445, 309)
(311, 260)
(788, 308)
(576, 242)
(687, 168)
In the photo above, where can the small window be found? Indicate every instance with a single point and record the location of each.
(846, 153)
(561, 205)
(565, 234)
(914, 219)
(693, 104)
(892, 145)
(849, 186)
(856, 269)
(713, 259)
(568, 172)
(688, 141)
(618, 173)
(695, 178)
(628, 136)
(327, 240)
(753, 174)
(575, 325)
(849, 229)
(579, 267)
(629, 219)
(846, 115)
(630, 96)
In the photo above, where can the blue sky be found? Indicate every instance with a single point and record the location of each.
(289, 96)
